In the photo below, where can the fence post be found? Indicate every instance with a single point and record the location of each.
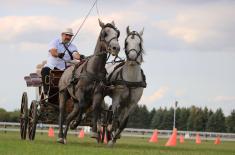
(5, 127)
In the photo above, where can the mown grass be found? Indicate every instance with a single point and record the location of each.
(10, 144)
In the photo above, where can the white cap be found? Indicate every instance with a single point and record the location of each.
(68, 31)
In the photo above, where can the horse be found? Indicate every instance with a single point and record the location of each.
(82, 82)
(128, 81)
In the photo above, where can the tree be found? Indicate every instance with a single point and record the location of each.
(190, 121)
(157, 119)
(183, 118)
(205, 118)
(151, 115)
(216, 122)
(144, 117)
(14, 116)
(230, 122)
(4, 115)
(195, 120)
(167, 121)
(139, 118)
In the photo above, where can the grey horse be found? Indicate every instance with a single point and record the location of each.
(83, 82)
(129, 82)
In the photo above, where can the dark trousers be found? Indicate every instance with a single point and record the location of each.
(45, 78)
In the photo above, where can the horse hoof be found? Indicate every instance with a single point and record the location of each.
(61, 141)
(73, 125)
(110, 144)
(118, 137)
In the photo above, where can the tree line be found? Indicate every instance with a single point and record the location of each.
(187, 119)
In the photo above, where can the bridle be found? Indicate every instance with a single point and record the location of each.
(132, 34)
(107, 43)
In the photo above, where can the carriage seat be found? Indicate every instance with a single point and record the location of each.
(54, 77)
(33, 80)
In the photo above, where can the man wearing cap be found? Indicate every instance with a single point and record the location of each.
(60, 50)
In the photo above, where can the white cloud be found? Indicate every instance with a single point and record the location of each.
(121, 19)
(15, 27)
(205, 27)
(157, 95)
(223, 99)
(28, 3)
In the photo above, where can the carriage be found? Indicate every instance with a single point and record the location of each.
(45, 108)
(110, 121)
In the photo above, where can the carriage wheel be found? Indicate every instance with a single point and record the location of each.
(32, 120)
(24, 116)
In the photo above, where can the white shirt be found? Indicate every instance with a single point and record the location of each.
(52, 61)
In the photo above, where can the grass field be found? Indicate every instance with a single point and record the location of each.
(10, 144)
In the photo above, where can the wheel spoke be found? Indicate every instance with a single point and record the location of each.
(23, 116)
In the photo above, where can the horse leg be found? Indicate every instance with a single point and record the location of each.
(96, 109)
(77, 108)
(124, 120)
(77, 120)
(115, 109)
(70, 117)
(63, 97)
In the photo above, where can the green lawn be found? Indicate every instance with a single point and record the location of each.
(10, 144)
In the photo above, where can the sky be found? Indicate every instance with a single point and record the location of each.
(189, 45)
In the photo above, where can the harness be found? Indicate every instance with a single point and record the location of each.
(121, 81)
(96, 79)
(67, 49)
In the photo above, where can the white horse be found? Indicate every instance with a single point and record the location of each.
(129, 82)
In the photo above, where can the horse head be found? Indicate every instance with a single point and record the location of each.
(134, 45)
(109, 36)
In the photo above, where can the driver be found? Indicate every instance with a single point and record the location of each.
(59, 52)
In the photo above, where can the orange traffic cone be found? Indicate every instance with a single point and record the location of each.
(217, 140)
(81, 134)
(172, 140)
(51, 132)
(105, 139)
(198, 139)
(154, 138)
(181, 139)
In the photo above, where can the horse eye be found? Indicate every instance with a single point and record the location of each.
(105, 34)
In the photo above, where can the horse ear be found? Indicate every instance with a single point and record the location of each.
(141, 32)
(128, 30)
(101, 24)
(113, 23)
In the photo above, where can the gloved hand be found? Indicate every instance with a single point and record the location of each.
(60, 55)
(82, 56)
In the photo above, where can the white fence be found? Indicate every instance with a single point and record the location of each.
(144, 133)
